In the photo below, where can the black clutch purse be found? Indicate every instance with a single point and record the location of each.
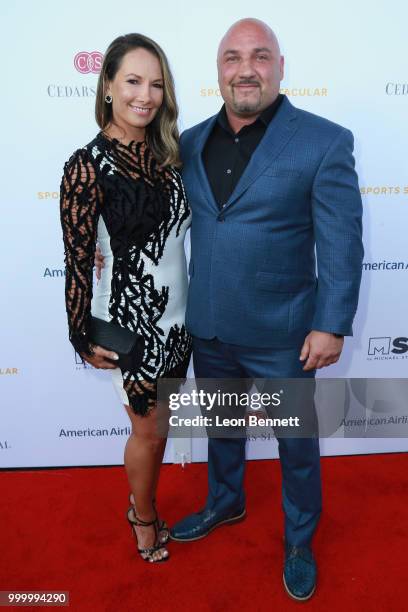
(127, 344)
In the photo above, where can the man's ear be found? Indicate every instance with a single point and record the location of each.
(282, 67)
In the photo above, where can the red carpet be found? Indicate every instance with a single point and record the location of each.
(65, 530)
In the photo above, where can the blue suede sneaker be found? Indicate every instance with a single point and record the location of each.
(299, 572)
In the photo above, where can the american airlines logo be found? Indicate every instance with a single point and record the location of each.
(385, 347)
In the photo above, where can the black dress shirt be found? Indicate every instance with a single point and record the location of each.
(226, 155)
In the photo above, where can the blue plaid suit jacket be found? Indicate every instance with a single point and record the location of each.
(253, 277)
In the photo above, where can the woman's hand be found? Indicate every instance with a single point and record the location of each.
(101, 358)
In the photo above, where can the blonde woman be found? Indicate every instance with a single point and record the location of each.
(124, 191)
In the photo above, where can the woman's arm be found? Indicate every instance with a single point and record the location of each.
(80, 209)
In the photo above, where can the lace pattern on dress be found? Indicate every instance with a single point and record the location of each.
(141, 204)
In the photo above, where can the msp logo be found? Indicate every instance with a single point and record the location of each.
(385, 348)
(379, 346)
(87, 63)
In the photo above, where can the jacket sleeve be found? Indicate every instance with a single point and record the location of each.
(79, 210)
(337, 218)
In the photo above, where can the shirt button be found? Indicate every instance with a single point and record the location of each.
(236, 139)
(228, 171)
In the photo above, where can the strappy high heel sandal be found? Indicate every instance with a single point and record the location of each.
(147, 554)
(164, 533)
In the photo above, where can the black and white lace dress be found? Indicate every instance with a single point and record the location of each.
(117, 195)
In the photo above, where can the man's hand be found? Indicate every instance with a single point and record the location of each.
(320, 349)
(101, 359)
(99, 263)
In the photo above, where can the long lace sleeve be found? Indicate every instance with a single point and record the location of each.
(80, 209)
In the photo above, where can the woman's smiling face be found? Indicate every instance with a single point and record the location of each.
(137, 92)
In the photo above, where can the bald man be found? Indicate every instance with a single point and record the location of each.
(268, 184)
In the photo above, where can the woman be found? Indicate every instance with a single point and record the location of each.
(123, 190)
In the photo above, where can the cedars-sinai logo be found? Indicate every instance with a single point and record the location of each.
(87, 63)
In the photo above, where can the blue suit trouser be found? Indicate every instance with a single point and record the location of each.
(299, 457)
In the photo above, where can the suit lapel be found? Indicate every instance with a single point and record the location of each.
(199, 165)
(281, 129)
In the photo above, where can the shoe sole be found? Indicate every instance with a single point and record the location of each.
(297, 598)
(230, 521)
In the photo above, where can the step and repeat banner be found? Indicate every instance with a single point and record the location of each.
(344, 60)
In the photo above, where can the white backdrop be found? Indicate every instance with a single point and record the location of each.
(345, 60)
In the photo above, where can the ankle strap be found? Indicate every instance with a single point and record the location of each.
(144, 523)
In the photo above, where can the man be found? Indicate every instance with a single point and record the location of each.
(267, 183)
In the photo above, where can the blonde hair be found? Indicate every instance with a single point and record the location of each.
(162, 135)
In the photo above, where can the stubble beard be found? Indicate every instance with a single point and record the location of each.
(246, 107)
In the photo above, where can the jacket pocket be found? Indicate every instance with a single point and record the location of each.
(282, 173)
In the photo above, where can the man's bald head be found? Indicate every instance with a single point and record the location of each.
(250, 68)
(248, 24)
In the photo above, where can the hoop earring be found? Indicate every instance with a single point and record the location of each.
(108, 99)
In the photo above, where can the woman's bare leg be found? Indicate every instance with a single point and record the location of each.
(163, 424)
(143, 455)
(163, 431)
